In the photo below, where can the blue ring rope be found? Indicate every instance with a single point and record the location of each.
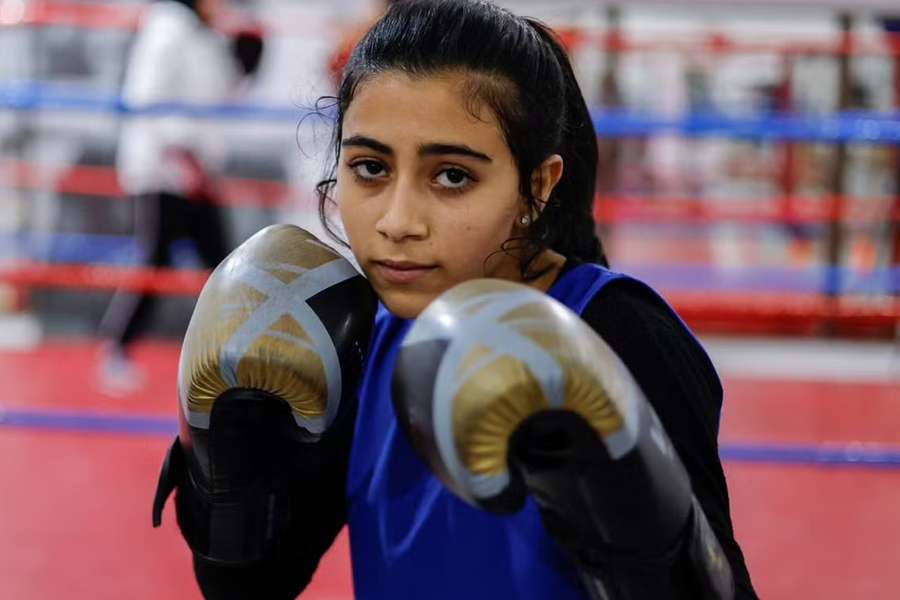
(123, 250)
(851, 126)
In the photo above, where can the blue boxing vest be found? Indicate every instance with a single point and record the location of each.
(409, 536)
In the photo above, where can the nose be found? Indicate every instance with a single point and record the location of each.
(404, 216)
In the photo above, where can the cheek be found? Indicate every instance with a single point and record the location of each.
(474, 234)
(478, 231)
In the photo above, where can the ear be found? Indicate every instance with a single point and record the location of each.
(545, 177)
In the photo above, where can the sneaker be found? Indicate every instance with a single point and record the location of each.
(118, 375)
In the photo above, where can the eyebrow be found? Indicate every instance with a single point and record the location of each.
(459, 149)
(433, 149)
(361, 141)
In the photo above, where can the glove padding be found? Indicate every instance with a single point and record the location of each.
(267, 385)
(505, 392)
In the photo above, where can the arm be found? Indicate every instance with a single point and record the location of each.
(684, 390)
(506, 394)
(267, 382)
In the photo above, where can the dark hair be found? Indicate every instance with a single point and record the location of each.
(521, 72)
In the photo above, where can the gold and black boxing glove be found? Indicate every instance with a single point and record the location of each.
(507, 393)
(267, 384)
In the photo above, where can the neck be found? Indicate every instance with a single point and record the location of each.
(548, 263)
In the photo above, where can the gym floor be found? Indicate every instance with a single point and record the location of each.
(809, 437)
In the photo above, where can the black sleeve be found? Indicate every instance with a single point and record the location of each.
(681, 384)
(284, 577)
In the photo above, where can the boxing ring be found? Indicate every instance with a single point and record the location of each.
(805, 342)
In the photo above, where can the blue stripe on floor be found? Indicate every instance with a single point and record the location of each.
(846, 455)
(88, 422)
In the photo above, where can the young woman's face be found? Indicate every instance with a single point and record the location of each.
(427, 191)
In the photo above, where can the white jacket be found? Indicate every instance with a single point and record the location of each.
(175, 59)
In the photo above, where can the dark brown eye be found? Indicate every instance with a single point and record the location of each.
(368, 169)
(453, 178)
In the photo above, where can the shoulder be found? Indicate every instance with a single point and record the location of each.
(626, 304)
(656, 345)
(600, 294)
(618, 306)
(630, 299)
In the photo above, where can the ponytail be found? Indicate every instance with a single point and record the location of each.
(568, 215)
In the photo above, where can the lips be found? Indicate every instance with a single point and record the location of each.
(401, 271)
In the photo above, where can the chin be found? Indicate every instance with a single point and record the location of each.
(404, 305)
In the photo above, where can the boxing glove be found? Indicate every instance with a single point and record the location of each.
(267, 384)
(506, 393)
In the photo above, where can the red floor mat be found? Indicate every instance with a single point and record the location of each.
(75, 505)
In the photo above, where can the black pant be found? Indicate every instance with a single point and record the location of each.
(160, 219)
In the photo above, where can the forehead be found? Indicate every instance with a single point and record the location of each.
(394, 106)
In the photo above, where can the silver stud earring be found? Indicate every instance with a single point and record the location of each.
(524, 220)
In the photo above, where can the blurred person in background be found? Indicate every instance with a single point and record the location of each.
(167, 161)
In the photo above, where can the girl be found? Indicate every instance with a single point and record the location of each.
(464, 149)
